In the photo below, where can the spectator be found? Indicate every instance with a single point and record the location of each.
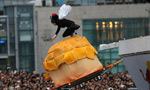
(32, 81)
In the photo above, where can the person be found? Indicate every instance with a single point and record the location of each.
(71, 26)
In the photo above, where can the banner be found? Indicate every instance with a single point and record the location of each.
(139, 68)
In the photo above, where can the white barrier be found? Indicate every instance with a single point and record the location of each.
(136, 58)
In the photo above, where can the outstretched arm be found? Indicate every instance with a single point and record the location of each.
(52, 38)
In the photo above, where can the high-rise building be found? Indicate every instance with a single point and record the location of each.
(17, 36)
(4, 46)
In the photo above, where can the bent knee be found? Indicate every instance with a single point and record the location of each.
(64, 35)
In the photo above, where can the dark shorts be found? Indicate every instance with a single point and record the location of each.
(70, 30)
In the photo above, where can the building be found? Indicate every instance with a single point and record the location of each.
(9, 2)
(4, 46)
(101, 21)
(100, 24)
(20, 48)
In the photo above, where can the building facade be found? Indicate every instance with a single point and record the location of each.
(4, 46)
(105, 31)
(20, 47)
(24, 28)
(100, 24)
(10, 2)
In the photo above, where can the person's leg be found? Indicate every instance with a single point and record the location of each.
(74, 27)
(68, 32)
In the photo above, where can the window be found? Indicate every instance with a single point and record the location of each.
(92, 2)
(3, 36)
(26, 36)
(78, 2)
(25, 11)
(25, 24)
(106, 31)
(25, 17)
(7, 2)
(27, 63)
(26, 48)
(3, 45)
(3, 31)
(112, 30)
(9, 11)
(1, 3)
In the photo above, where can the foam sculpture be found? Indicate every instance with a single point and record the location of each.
(70, 60)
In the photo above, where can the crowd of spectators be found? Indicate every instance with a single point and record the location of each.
(108, 81)
(22, 80)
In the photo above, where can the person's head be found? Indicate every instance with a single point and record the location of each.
(54, 19)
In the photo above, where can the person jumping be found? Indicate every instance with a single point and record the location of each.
(71, 26)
